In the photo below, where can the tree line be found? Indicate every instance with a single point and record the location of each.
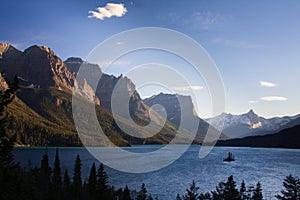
(45, 183)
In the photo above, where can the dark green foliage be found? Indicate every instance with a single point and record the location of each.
(9, 170)
(56, 178)
(142, 194)
(226, 191)
(192, 192)
(92, 182)
(126, 194)
(66, 186)
(77, 180)
(257, 193)
(292, 189)
(102, 183)
(44, 182)
(205, 196)
(243, 194)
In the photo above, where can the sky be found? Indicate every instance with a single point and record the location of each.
(254, 44)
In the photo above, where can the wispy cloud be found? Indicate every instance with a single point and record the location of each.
(267, 84)
(188, 88)
(207, 20)
(204, 20)
(252, 101)
(238, 44)
(273, 98)
(110, 10)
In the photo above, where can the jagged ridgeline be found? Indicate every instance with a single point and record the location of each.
(41, 114)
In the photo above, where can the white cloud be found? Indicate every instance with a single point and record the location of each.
(110, 10)
(267, 84)
(252, 101)
(273, 98)
(188, 88)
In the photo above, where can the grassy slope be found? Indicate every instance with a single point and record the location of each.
(44, 117)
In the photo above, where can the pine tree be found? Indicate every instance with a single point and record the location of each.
(56, 178)
(92, 182)
(10, 180)
(243, 190)
(257, 193)
(102, 183)
(66, 185)
(192, 192)
(226, 191)
(292, 189)
(178, 197)
(205, 196)
(44, 182)
(126, 194)
(77, 180)
(142, 194)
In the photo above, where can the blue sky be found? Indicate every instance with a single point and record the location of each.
(255, 44)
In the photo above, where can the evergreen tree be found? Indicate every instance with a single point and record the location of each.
(205, 196)
(226, 191)
(77, 180)
(292, 189)
(126, 194)
(102, 183)
(243, 191)
(257, 193)
(92, 182)
(142, 194)
(44, 182)
(56, 178)
(66, 186)
(192, 192)
(10, 179)
(178, 197)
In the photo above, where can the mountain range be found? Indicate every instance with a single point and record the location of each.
(41, 113)
(251, 124)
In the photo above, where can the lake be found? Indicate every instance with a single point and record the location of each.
(267, 165)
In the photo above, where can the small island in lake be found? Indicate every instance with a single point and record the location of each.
(229, 158)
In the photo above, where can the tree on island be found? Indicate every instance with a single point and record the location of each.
(292, 189)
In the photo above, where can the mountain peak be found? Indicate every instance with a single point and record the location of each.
(251, 112)
(7, 49)
(73, 60)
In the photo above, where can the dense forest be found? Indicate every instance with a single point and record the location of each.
(46, 183)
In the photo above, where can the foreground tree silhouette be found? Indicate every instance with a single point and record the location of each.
(126, 194)
(92, 182)
(192, 192)
(257, 193)
(10, 182)
(77, 180)
(292, 189)
(44, 176)
(226, 191)
(102, 183)
(66, 186)
(56, 178)
(142, 194)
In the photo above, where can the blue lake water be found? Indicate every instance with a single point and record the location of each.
(267, 165)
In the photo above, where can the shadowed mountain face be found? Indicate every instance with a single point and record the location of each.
(250, 124)
(174, 112)
(287, 138)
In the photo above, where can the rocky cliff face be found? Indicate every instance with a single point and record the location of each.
(40, 67)
(175, 113)
(107, 84)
